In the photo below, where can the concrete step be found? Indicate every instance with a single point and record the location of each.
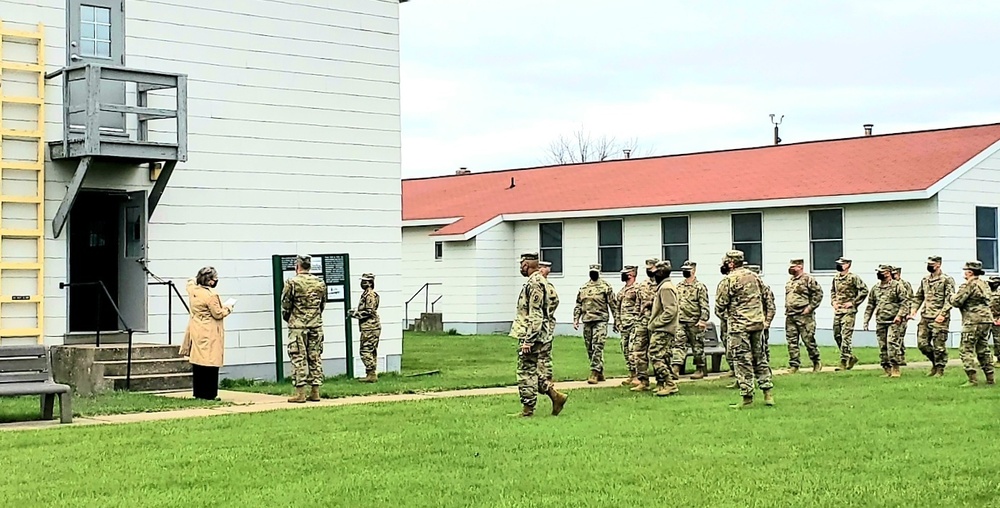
(147, 367)
(107, 337)
(154, 382)
(139, 352)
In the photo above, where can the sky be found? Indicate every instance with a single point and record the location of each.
(489, 85)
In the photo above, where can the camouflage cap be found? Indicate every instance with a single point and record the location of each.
(796, 262)
(630, 269)
(995, 278)
(663, 265)
(885, 268)
(529, 256)
(734, 255)
(303, 258)
(545, 263)
(897, 269)
(973, 265)
(595, 268)
(843, 261)
(367, 276)
(652, 261)
(934, 259)
(753, 268)
(689, 264)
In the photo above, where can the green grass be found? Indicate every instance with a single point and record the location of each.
(846, 440)
(20, 409)
(482, 361)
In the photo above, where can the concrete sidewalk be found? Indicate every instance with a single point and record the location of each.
(245, 402)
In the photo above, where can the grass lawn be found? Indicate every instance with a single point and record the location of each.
(481, 361)
(20, 409)
(849, 439)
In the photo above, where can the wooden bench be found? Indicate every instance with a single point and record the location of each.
(713, 349)
(27, 370)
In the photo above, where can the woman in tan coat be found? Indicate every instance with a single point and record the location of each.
(205, 338)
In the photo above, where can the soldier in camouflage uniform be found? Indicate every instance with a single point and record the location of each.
(889, 303)
(770, 310)
(724, 332)
(594, 301)
(995, 308)
(740, 299)
(303, 300)
(640, 342)
(803, 294)
(370, 325)
(693, 321)
(934, 295)
(973, 300)
(847, 293)
(530, 328)
(628, 312)
(545, 267)
(663, 328)
(897, 274)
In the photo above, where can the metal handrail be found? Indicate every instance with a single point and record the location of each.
(423, 289)
(436, 300)
(128, 361)
(171, 291)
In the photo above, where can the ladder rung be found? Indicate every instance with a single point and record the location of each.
(14, 133)
(20, 299)
(20, 199)
(20, 233)
(21, 100)
(23, 165)
(24, 67)
(20, 34)
(14, 265)
(20, 332)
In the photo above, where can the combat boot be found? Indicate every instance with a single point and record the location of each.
(973, 379)
(592, 380)
(747, 402)
(940, 372)
(933, 371)
(793, 370)
(300, 395)
(990, 380)
(734, 384)
(558, 400)
(628, 381)
(842, 366)
(370, 377)
(600, 376)
(817, 367)
(526, 411)
(768, 398)
(676, 369)
(643, 386)
(887, 371)
(699, 374)
(852, 362)
(314, 394)
(664, 389)
(894, 372)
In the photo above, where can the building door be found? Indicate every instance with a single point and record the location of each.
(96, 34)
(133, 289)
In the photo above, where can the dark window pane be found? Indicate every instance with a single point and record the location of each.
(677, 254)
(438, 250)
(747, 227)
(986, 251)
(753, 253)
(553, 256)
(674, 230)
(825, 254)
(609, 232)
(986, 222)
(826, 225)
(611, 259)
(550, 234)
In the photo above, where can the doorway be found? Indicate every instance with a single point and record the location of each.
(107, 244)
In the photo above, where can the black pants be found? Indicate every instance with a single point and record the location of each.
(206, 382)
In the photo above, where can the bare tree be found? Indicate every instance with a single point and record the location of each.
(581, 146)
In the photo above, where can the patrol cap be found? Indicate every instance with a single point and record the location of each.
(545, 263)
(688, 265)
(303, 258)
(734, 255)
(796, 262)
(843, 261)
(630, 269)
(652, 261)
(973, 265)
(995, 278)
(595, 268)
(529, 256)
(885, 268)
(663, 265)
(367, 276)
(934, 259)
(897, 269)
(753, 268)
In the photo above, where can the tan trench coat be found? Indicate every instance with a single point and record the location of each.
(205, 338)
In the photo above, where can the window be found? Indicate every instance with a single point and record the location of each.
(986, 237)
(826, 238)
(748, 236)
(609, 245)
(674, 232)
(95, 31)
(438, 250)
(550, 240)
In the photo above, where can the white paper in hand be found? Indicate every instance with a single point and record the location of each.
(230, 302)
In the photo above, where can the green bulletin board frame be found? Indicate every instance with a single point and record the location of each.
(335, 271)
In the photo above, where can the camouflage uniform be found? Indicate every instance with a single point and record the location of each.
(628, 314)
(593, 302)
(802, 292)
(995, 309)
(663, 326)
(724, 334)
(553, 303)
(847, 293)
(770, 310)
(973, 300)
(901, 328)
(303, 300)
(640, 341)
(530, 328)
(934, 294)
(694, 317)
(888, 302)
(371, 327)
(740, 299)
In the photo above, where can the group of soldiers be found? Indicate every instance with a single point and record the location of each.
(303, 300)
(658, 321)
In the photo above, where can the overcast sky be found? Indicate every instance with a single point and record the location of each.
(488, 84)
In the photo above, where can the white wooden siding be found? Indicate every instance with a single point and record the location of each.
(957, 204)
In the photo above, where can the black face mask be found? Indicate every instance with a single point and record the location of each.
(594, 276)
(791, 271)
(724, 269)
(840, 268)
(214, 283)
(661, 276)
(881, 276)
(687, 274)
(651, 274)
(930, 268)
(994, 285)
(624, 277)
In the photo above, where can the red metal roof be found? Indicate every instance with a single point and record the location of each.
(912, 161)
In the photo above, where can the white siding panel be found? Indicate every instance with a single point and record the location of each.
(957, 213)
(497, 273)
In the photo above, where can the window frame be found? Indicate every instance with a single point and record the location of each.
(843, 230)
(116, 31)
(620, 247)
(732, 235)
(995, 239)
(438, 251)
(561, 248)
(675, 270)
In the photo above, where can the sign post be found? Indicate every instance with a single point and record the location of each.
(335, 271)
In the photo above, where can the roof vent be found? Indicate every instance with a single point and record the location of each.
(463, 171)
(868, 129)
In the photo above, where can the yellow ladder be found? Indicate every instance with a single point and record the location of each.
(22, 185)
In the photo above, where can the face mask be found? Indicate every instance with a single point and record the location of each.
(791, 271)
(724, 269)
(624, 277)
(930, 268)
(687, 274)
(881, 276)
(214, 283)
(651, 274)
(994, 285)
(840, 268)
(365, 285)
(593, 276)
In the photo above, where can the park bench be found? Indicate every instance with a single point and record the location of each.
(27, 370)
(713, 349)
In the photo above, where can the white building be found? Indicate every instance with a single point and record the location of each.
(895, 199)
(282, 119)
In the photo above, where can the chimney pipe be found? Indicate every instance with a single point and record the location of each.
(463, 171)
(868, 129)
